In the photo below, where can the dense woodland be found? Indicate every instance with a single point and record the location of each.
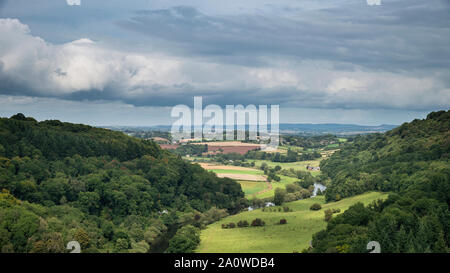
(112, 193)
(412, 162)
(310, 142)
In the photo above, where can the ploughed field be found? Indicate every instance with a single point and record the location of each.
(302, 223)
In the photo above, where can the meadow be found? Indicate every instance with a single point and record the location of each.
(252, 188)
(299, 165)
(294, 236)
(252, 180)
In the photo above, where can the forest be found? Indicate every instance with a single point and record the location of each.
(411, 162)
(110, 192)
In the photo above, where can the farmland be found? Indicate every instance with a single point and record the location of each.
(252, 178)
(302, 223)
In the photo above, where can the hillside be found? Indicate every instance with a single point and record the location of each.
(412, 161)
(295, 235)
(392, 161)
(63, 181)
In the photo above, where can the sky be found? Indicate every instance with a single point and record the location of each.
(117, 62)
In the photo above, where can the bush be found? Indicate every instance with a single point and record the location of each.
(258, 222)
(283, 221)
(328, 214)
(242, 223)
(286, 209)
(336, 210)
(224, 226)
(231, 225)
(315, 206)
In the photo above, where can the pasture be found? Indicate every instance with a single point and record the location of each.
(300, 165)
(302, 223)
(252, 188)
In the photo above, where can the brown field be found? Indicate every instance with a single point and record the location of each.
(228, 144)
(246, 177)
(169, 146)
(231, 149)
(208, 166)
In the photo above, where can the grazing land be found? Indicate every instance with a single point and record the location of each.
(251, 188)
(302, 223)
(235, 172)
(242, 174)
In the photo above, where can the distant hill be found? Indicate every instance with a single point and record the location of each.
(388, 161)
(285, 128)
(332, 128)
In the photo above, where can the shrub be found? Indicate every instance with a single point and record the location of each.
(286, 209)
(242, 223)
(258, 222)
(336, 210)
(283, 221)
(315, 206)
(231, 225)
(328, 214)
(224, 226)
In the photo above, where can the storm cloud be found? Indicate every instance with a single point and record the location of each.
(332, 55)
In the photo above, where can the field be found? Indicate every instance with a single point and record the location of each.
(302, 223)
(249, 177)
(251, 188)
(235, 172)
(253, 180)
(300, 165)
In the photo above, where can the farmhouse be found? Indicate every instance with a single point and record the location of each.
(310, 168)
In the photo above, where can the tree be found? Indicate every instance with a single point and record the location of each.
(185, 240)
(82, 238)
(278, 199)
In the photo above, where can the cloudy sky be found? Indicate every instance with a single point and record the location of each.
(121, 62)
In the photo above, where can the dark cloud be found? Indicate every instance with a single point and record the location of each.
(397, 35)
(351, 56)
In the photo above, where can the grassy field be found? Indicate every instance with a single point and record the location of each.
(254, 189)
(301, 165)
(251, 188)
(302, 223)
(285, 180)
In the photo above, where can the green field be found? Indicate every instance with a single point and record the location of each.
(250, 188)
(285, 180)
(302, 223)
(300, 165)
